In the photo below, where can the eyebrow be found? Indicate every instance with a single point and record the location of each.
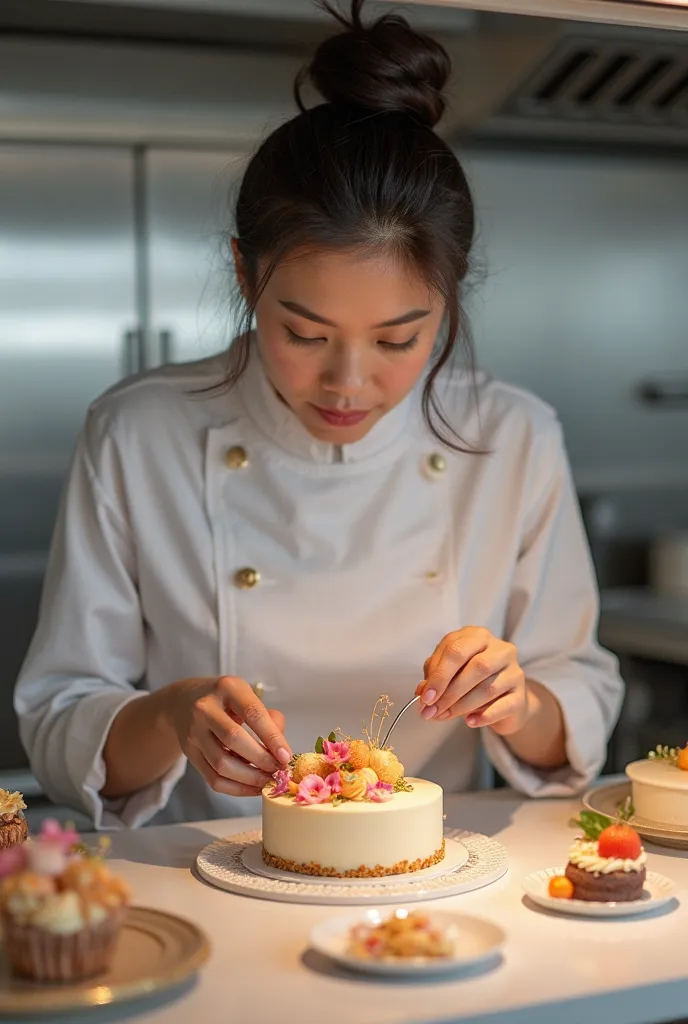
(307, 314)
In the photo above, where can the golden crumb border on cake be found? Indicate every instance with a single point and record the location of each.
(402, 868)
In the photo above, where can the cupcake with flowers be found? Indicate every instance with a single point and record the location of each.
(13, 827)
(61, 907)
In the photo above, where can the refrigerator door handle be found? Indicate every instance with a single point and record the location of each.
(166, 343)
(133, 353)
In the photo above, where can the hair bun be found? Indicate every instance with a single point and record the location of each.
(385, 65)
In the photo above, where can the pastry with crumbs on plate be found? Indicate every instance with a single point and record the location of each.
(13, 826)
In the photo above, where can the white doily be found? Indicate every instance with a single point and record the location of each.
(220, 864)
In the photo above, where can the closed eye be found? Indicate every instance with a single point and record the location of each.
(298, 339)
(403, 346)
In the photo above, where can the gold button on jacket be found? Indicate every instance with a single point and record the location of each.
(245, 579)
(437, 463)
(236, 457)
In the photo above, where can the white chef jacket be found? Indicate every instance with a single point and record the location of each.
(364, 556)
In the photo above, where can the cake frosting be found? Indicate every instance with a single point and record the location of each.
(357, 838)
(346, 810)
(659, 785)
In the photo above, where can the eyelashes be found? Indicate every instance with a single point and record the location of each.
(404, 346)
(389, 346)
(297, 339)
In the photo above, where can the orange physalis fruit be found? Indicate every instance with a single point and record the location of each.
(682, 759)
(560, 887)
(620, 841)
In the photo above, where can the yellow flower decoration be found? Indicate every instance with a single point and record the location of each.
(354, 786)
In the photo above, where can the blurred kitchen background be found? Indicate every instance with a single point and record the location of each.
(123, 129)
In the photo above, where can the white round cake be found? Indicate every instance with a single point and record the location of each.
(356, 839)
(660, 792)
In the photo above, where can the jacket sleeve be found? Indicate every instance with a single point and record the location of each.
(88, 652)
(552, 619)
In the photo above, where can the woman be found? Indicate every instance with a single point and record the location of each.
(347, 516)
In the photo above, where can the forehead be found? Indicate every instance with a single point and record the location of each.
(351, 288)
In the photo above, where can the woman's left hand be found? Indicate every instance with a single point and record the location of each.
(475, 676)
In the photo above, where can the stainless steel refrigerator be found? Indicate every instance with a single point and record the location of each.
(112, 259)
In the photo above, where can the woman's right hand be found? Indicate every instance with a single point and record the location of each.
(208, 716)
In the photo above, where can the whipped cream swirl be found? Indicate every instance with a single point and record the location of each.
(585, 855)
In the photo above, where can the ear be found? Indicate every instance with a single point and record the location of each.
(240, 268)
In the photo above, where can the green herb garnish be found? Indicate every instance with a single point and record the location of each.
(593, 824)
(664, 753)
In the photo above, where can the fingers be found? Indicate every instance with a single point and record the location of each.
(278, 718)
(233, 737)
(238, 697)
(449, 658)
(225, 763)
(481, 680)
(487, 693)
(504, 715)
(218, 783)
(480, 696)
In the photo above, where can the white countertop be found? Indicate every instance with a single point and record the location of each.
(555, 968)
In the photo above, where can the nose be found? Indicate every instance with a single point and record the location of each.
(345, 373)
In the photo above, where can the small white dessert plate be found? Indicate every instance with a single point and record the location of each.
(658, 891)
(607, 799)
(474, 939)
(455, 856)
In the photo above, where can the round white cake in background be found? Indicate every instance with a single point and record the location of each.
(659, 792)
(356, 839)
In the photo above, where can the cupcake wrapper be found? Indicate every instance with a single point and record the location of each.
(45, 956)
(13, 832)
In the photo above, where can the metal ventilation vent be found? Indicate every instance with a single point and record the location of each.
(610, 81)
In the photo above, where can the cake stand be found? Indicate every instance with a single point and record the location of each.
(235, 864)
(608, 798)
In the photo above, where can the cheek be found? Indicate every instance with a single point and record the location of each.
(401, 372)
(289, 369)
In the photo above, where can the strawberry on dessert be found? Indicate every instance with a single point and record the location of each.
(607, 863)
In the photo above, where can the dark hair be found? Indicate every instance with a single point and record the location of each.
(364, 171)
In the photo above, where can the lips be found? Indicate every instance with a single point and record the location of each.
(341, 419)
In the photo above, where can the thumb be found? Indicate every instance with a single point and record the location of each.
(278, 718)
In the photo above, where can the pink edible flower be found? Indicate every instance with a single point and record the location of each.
(281, 783)
(313, 790)
(334, 781)
(13, 860)
(336, 753)
(50, 852)
(52, 832)
(380, 792)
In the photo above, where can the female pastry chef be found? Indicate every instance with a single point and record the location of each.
(336, 511)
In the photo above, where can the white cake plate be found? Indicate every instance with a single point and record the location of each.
(455, 856)
(222, 864)
(606, 800)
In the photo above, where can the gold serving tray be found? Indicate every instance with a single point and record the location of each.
(156, 951)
